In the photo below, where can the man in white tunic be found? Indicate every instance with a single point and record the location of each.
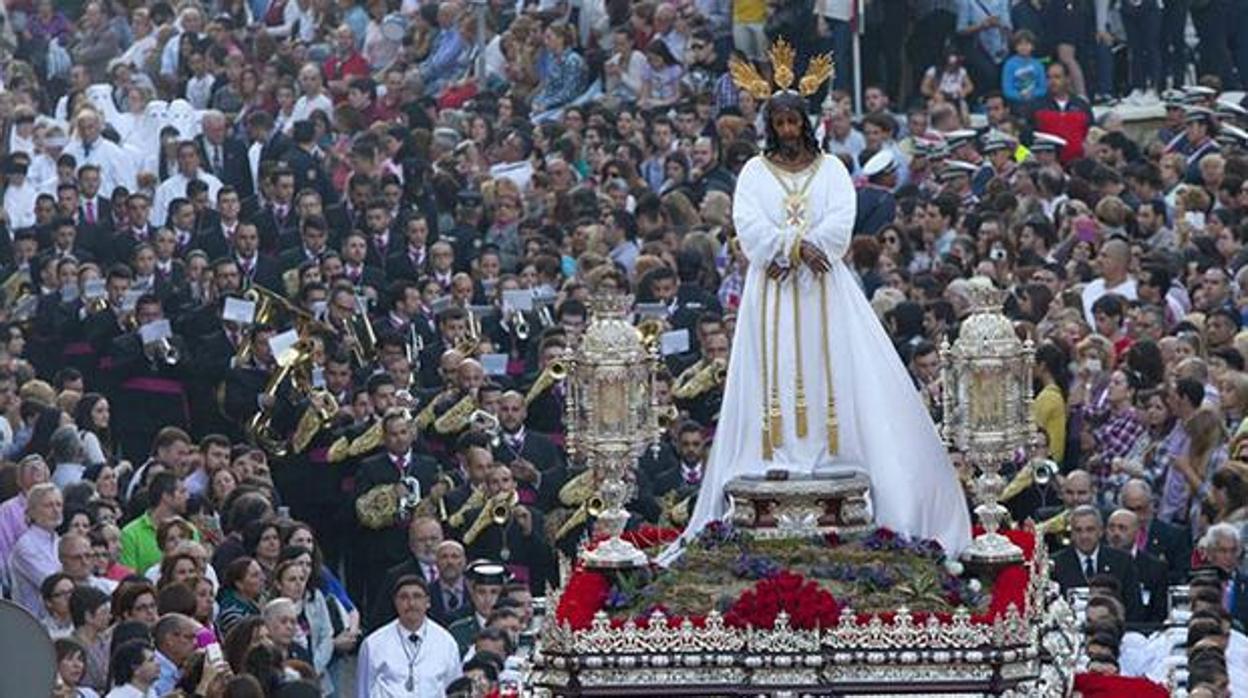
(411, 655)
(814, 381)
(175, 186)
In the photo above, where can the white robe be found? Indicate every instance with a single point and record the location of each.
(883, 427)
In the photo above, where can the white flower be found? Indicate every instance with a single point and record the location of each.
(954, 567)
(974, 586)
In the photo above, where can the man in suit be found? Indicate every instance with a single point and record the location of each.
(1087, 557)
(121, 247)
(449, 592)
(215, 235)
(255, 268)
(225, 156)
(1223, 548)
(356, 267)
(527, 452)
(412, 260)
(385, 548)
(686, 477)
(277, 218)
(313, 242)
(95, 211)
(424, 535)
(519, 540)
(1168, 543)
(1120, 534)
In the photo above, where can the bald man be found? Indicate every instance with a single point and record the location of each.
(1120, 533)
(1168, 543)
(1113, 262)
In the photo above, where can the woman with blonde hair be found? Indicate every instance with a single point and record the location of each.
(1206, 453)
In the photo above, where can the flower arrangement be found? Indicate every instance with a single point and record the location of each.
(808, 605)
(750, 581)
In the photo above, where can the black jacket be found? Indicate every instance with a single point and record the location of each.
(1069, 574)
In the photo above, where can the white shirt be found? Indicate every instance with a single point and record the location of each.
(387, 658)
(1093, 292)
(130, 691)
(19, 204)
(175, 188)
(306, 105)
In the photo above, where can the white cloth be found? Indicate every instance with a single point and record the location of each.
(118, 168)
(175, 188)
(382, 670)
(1093, 292)
(306, 105)
(129, 691)
(19, 204)
(883, 426)
(67, 474)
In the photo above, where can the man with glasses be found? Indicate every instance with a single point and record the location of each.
(1156, 537)
(411, 655)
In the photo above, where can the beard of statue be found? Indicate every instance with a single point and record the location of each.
(791, 148)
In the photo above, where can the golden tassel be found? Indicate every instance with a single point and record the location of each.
(768, 450)
(777, 435)
(831, 423)
(797, 356)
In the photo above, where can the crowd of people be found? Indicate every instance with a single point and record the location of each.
(288, 290)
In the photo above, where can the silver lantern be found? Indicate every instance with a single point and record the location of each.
(987, 410)
(611, 419)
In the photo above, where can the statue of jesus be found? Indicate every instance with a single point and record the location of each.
(814, 381)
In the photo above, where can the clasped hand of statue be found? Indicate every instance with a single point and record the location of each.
(810, 255)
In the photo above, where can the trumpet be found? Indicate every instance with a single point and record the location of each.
(497, 511)
(700, 378)
(469, 345)
(322, 408)
(1039, 472)
(555, 372)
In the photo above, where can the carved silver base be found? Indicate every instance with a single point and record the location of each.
(614, 554)
(800, 506)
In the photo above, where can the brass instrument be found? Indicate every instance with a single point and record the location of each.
(415, 345)
(387, 504)
(497, 511)
(580, 488)
(322, 409)
(266, 314)
(668, 414)
(167, 352)
(1038, 472)
(427, 414)
(351, 339)
(435, 504)
(520, 324)
(650, 331)
(486, 423)
(555, 372)
(475, 499)
(369, 333)
(456, 419)
(96, 304)
(260, 428)
(469, 345)
(700, 378)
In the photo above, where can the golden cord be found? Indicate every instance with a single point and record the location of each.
(831, 422)
(797, 358)
(768, 451)
(777, 436)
